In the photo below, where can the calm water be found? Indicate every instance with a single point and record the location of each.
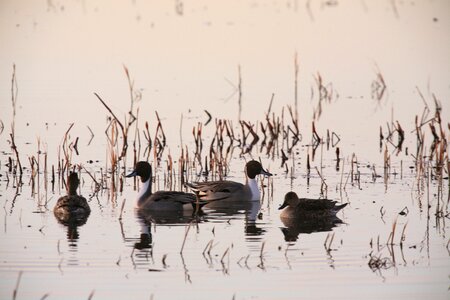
(183, 57)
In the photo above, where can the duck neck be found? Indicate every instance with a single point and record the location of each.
(72, 190)
(254, 189)
(144, 192)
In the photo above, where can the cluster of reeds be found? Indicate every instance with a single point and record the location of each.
(276, 136)
(272, 132)
(429, 164)
(64, 158)
(116, 154)
(36, 165)
(433, 164)
(197, 133)
(219, 156)
(35, 176)
(289, 132)
(159, 141)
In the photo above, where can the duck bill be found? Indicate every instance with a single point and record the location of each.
(132, 174)
(265, 173)
(283, 205)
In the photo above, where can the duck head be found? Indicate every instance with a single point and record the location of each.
(142, 169)
(290, 199)
(253, 168)
(72, 183)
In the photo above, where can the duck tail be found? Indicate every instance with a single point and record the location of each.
(192, 186)
(339, 207)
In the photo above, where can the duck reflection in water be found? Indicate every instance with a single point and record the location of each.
(302, 215)
(145, 239)
(147, 218)
(248, 210)
(72, 210)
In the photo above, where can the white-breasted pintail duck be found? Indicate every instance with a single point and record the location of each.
(161, 200)
(295, 207)
(229, 190)
(72, 206)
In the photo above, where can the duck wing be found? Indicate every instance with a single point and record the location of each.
(316, 204)
(215, 190)
(70, 202)
(180, 197)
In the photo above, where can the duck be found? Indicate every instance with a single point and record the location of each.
(161, 201)
(223, 190)
(72, 207)
(304, 208)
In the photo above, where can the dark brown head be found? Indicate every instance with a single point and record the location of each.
(142, 169)
(290, 199)
(253, 168)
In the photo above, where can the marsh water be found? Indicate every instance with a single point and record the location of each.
(351, 68)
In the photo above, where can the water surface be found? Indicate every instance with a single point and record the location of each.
(183, 58)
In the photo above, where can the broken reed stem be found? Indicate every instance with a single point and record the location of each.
(224, 254)
(122, 128)
(65, 146)
(403, 236)
(331, 241)
(323, 183)
(97, 185)
(342, 174)
(112, 138)
(134, 96)
(159, 127)
(185, 236)
(91, 295)
(163, 260)
(16, 289)
(326, 240)
(18, 163)
(92, 135)
(392, 234)
(121, 209)
(209, 245)
(328, 245)
(14, 92)
(261, 254)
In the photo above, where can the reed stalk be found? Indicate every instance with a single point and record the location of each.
(16, 289)
(185, 236)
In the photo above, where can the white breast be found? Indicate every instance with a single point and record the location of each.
(141, 193)
(253, 185)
